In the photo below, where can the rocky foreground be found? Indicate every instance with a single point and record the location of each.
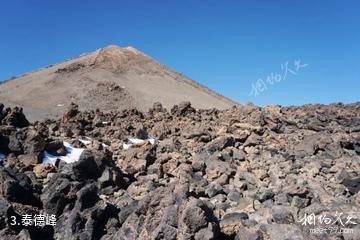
(242, 173)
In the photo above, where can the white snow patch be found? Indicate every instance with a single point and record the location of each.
(132, 141)
(88, 141)
(73, 155)
(126, 146)
(2, 156)
(104, 145)
(152, 141)
(135, 140)
(60, 105)
(84, 141)
(105, 122)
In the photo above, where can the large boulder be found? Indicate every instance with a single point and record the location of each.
(17, 187)
(183, 109)
(13, 117)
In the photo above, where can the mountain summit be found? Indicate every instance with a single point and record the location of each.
(110, 78)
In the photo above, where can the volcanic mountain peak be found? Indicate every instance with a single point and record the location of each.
(110, 78)
(114, 50)
(117, 49)
(130, 48)
(120, 59)
(113, 47)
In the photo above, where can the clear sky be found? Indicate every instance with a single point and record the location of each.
(266, 52)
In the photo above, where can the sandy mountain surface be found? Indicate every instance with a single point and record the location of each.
(111, 78)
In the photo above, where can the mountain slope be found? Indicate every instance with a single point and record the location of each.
(111, 78)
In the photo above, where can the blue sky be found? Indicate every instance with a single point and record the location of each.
(226, 45)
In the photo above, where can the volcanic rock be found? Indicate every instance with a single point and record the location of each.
(241, 173)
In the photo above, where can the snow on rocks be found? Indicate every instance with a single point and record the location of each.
(73, 155)
(126, 146)
(152, 141)
(86, 141)
(104, 145)
(136, 141)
